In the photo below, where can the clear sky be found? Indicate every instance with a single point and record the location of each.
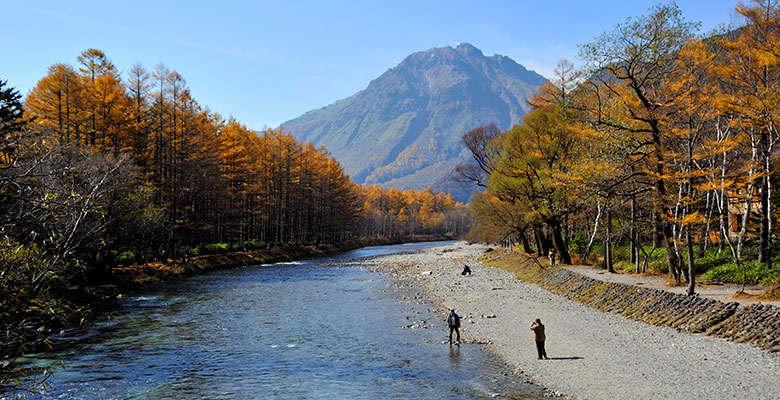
(266, 62)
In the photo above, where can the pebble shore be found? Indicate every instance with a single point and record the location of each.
(593, 354)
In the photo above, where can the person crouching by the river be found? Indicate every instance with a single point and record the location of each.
(453, 321)
(538, 329)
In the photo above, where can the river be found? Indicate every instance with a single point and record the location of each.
(309, 329)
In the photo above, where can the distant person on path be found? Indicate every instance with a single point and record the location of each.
(538, 329)
(453, 321)
(466, 270)
(552, 258)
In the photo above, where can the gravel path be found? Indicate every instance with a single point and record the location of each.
(721, 292)
(594, 355)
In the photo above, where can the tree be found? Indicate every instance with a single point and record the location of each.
(11, 110)
(94, 64)
(535, 162)
(138, 87)
(749, 69)
(484, 150)
(56, 102)
(631, 63)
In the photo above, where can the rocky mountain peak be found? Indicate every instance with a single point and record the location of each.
(404, 129)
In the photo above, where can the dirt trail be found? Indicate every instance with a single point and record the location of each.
(720, 292)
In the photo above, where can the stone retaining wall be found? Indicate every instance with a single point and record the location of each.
(757, 324)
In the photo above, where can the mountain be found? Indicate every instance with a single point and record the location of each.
(404, 129)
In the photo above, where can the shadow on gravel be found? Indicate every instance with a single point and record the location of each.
(565, 358)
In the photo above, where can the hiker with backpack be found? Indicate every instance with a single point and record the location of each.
(453, 321)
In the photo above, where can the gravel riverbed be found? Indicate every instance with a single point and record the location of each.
(593, 354)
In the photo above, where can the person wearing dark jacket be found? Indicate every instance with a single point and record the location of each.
(539, 336)
(453, 321)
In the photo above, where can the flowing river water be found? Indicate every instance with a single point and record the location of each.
(310, 329)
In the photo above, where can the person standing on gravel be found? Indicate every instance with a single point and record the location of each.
(538, 329)
(551, 256)
(453, 321)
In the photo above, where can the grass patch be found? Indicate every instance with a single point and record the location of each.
(212, 248)
(754, 272)
(522, 265)
(711, 259)
(624, 266)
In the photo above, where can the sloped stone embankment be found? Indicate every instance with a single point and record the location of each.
(756, 324)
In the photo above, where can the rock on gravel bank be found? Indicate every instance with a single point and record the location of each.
(594, 354)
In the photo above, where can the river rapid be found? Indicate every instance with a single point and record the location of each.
(312, 329)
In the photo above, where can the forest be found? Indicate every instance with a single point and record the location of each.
(656, 155)
(100, 168)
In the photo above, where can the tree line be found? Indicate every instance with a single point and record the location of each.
(390, 212)
(662, 142)
(97, 169)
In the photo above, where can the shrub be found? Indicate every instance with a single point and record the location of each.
(621, 252)
(578, 243)
(711, 259)
(755, 272)
(657, 263)
(126, 256)
(624, 266)
(248, 245)
(212, 248)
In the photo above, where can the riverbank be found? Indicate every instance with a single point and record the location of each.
(94, 301)
(137, 275)
(594, 354)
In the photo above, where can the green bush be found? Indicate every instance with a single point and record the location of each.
(578, 243)
(711, 259)
(597, 249)
(212, 248)
(755, 272)
(657, 263)
(125, 256)
(248, 245)
(624, 266)
(621, 252)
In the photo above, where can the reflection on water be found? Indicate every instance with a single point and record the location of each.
(302, 330)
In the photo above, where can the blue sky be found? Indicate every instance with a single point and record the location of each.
(266, 62)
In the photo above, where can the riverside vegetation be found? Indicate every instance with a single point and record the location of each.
(658, 155)
(99, 171)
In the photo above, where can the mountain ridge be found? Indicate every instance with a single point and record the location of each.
(403, 130)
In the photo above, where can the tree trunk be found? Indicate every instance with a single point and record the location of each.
(541, 246)
(677, 230)
(735, 254)
(765, 246)
(662, 211)
(593, 234)
(631, 231)
(608, 241)
(705, 230)
(559, 242)
(524, 241)
(656, 229)
(691, 267)
(748, 198)
(671, 251)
